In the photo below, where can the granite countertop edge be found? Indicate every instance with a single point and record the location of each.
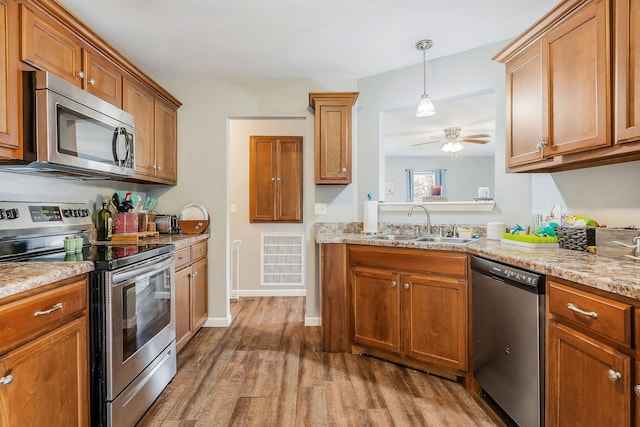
(606, 274)
(16, 277)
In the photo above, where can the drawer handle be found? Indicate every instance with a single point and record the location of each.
(56, 307)
(200, 250)
(575, 309)
(613, 375)
(180, 258)
(6, 380)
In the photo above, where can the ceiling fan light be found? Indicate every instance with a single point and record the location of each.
(451, 147)
(425, 107)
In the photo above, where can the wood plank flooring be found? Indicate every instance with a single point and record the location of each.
(267, 369)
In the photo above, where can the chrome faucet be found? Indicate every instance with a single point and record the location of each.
(428, 222)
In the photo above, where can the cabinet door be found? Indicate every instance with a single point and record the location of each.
(627, 70)
(289, 179)
(435, 319)
(198, 294)
(49, 46)
(576, 56)
(583, 387)
(376, 308)
(166, 141)
(103, 78)
(8, 86)
(275, 179)
(262, 179)
(50, 380)
(138, 100)
(183, 307)
(525, 107)
(333, 142)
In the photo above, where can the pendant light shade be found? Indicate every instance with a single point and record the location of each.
(425, 106)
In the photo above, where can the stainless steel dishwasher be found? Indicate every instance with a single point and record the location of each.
(508, 338)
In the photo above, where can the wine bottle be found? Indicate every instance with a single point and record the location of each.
(104, 222)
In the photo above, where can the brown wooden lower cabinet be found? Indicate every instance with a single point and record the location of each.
(412, 305)
(191, 291)
(44, 375)
(590, 377)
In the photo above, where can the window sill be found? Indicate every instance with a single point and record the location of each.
(470, 206)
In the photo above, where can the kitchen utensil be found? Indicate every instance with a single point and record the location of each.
(153, 205)
(117, 202)
(147, 203)
(136, 199)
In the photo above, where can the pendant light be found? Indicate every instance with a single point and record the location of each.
(425, 106)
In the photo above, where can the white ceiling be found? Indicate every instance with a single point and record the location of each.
(328, 39)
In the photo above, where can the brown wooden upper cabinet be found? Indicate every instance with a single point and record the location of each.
(275, 179)
(627, 42)
(49, 46)
(558, 86)
(9, 141)
(333, 136)
(42, 34)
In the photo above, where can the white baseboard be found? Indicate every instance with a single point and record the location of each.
(312, 321)
(218, 322)
(270, 293)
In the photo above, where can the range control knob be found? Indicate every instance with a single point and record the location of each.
(85, 212)
(12, 213)
(66, 213)
(3, 214)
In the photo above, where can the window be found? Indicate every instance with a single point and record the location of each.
(419, 183)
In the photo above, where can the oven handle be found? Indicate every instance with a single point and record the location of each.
(141, 272)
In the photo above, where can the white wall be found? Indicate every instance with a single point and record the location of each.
(240, 131)
(450, 76)
(204, 165)
(608, 194)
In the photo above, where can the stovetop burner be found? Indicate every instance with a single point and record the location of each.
(105, 257)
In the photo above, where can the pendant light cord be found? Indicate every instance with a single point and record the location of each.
(424, 71)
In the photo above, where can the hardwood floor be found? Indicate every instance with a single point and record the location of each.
(267, 369)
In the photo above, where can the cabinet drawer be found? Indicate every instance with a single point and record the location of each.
(199, 250)
(24, 318)
(414, 260)
(182, 257)
(601, 315)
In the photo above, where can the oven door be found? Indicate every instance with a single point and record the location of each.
(140, 313)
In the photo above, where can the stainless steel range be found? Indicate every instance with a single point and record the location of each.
(131, 304)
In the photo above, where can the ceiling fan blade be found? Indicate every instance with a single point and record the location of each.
(423, 143)
(478, 135)
(475, 141)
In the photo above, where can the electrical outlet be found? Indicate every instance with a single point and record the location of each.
(321, 208)
(234, 208)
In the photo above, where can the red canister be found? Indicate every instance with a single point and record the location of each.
(125, 223)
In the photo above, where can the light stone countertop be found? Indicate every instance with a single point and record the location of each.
(16, 277)
(615, 276)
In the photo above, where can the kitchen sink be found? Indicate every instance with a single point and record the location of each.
(422, 238)
(438, 239)
(395, 237)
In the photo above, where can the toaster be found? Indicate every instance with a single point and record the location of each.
(167, 224)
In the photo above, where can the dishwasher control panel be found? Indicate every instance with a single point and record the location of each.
(509, 273)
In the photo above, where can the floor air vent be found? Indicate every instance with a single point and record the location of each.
(282, 259)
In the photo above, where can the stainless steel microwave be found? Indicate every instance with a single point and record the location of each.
(71, 133)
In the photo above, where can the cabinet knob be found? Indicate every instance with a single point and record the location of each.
(614, 376)
(6, 380)
(540, 145)
(80, 74)
(344, 170)
(406, 286)
(91, 82)
(393, 284)
(636, 389)
(195, 274)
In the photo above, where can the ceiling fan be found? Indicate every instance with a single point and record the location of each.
(452, 139)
